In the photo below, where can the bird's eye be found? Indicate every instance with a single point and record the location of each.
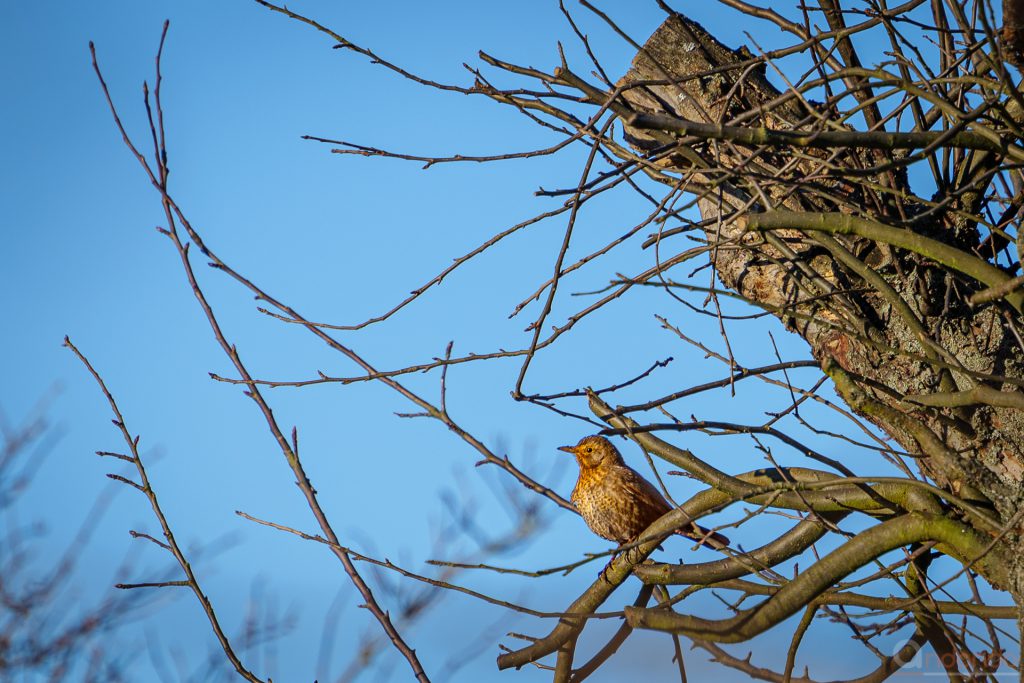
(589, 449)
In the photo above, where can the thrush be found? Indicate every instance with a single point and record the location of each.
(615, 501)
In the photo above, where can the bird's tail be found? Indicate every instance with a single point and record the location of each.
(705, 536)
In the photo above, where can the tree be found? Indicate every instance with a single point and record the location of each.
(870, 203)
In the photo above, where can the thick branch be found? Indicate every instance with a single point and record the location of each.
(821, 139)
(844, 224)
(887, 605)
(786, 546)
(617, 571)
(979, 395)
(952, 537)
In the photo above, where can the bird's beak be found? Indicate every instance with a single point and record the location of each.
(568, 449)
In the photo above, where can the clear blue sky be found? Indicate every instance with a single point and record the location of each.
(342, 238)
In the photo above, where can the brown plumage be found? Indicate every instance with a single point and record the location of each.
(615, 501)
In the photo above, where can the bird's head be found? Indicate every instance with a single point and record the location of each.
(594, 451)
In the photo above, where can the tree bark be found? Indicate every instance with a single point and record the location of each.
(861, 324)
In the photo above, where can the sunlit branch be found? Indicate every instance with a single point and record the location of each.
(786, 546)
(814, 580)
(813, 139)
(849, 225)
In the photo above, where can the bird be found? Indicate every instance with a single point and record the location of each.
(615, 501)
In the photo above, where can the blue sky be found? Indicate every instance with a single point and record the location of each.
(341, 238)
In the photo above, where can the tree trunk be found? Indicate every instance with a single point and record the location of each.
(853, 300)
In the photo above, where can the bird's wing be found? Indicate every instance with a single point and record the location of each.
(654, 505)
(650, 501)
